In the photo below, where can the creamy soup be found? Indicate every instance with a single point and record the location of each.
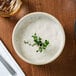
(47, 30)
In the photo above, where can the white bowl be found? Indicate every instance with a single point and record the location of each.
(38, 22)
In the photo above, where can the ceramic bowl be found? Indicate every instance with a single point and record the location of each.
(57, 37)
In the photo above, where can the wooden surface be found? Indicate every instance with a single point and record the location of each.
(65, 11)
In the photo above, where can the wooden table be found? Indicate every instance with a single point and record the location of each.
(65, 11)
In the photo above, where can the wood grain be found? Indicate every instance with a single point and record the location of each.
(65, 11)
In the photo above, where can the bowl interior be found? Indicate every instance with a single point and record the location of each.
(47, 27)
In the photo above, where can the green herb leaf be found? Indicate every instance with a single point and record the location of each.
(38, 41)
(27, 43)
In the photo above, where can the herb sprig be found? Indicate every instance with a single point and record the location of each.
(38, 41)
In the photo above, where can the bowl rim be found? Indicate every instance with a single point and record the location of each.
(50, 16)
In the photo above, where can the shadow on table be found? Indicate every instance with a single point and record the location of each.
(27, 7)
(65, 64)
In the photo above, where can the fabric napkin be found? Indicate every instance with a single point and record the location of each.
(7, 56)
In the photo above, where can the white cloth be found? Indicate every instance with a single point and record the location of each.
(7, 56)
